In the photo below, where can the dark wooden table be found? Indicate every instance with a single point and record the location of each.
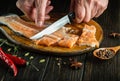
(56, 68)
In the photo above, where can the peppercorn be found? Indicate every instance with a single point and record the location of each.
(105, 53)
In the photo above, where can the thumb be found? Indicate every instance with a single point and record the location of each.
(40, 14)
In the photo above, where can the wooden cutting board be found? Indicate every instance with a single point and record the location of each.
(52, 50)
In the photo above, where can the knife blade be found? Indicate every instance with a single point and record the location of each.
(55, 26)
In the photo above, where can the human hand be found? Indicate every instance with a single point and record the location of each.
(87, 9)
(36, 10)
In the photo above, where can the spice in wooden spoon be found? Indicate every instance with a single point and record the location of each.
(106, 53)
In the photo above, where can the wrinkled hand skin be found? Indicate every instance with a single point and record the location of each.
(87, 9)
(38, 10)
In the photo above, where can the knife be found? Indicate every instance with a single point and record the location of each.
(55, 26)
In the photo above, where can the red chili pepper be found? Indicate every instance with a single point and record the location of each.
(17, 60)
(8, 61)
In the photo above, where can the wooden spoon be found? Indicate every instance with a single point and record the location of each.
(106, 53)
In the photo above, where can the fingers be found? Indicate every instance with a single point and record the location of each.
(26, 6)
(99, 12)
(94, 10)
(102, 7)
(48, 9)
(33, 15)
(80, 14)
(40, 8)
(36, 10)
(79, 11)
(85, 10)
(82, 11)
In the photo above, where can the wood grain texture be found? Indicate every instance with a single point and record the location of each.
(58, 71)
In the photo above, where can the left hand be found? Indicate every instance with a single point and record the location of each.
(36, 10)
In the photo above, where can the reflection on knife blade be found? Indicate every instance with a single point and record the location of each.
(55, 26)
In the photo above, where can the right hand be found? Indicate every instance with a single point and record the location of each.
(85, 10)
(36, 10)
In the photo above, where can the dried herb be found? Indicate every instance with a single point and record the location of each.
(42, 60)
(30, 63)
(15, 50)
(27, 54)
(115, 35)
(9, 49)
(31, 58)
(4, 41)
(74, 64)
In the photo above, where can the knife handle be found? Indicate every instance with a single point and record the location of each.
(71, 16)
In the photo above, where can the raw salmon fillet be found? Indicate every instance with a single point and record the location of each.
(47, 40)
(88, 37)
(68, 41)
(17, 24)
(58, 38)
(51, 39)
